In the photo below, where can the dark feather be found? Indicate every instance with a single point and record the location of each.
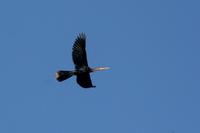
(79, 55)
(63, 75)
(84, 80)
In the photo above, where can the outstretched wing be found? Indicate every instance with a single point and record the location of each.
(79, 55)
(84, 80)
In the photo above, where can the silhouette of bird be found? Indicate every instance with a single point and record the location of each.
(82, 70)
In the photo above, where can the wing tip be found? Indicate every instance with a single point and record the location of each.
(80, 39)
(88, 87)
(82, 35)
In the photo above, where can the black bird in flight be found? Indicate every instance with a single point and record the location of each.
(82, 70)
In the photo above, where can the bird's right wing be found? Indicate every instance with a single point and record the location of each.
(79, 55)
(84, 80)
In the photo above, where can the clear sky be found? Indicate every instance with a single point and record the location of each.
(152, 47)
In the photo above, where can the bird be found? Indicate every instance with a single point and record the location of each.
(82, 70)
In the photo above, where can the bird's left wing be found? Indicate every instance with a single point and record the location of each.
(84, 80)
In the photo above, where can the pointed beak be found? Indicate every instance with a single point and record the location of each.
(101, 68)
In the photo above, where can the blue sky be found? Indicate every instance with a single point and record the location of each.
(152, 48)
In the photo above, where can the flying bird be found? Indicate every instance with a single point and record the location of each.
(82, 70)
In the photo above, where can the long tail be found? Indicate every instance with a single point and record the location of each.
(63, 75)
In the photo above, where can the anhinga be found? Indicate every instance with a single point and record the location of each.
(82, 70)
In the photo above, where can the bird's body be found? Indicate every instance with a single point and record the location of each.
(82, 70)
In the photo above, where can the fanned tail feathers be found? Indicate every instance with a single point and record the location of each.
(63, 75)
